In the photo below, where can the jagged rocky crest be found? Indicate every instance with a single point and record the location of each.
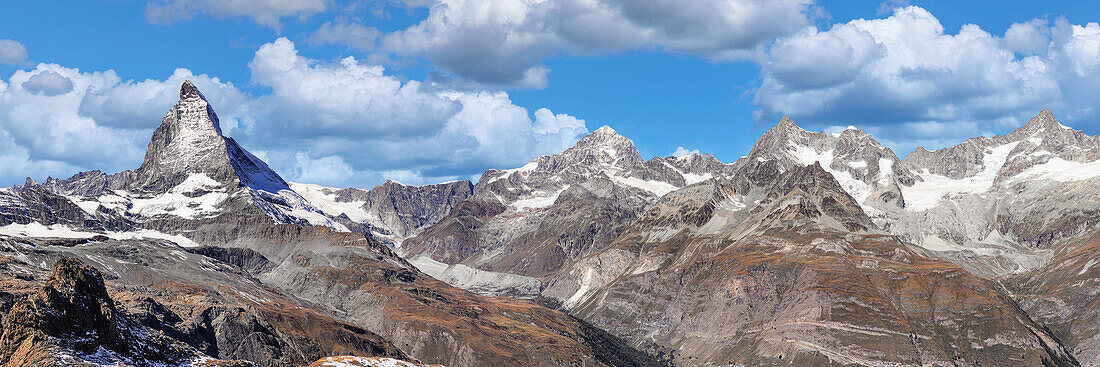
(71, 320)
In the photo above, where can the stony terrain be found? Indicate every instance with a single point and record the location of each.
(70, 320)
(392, 211)
(522, 225)
(800, 277)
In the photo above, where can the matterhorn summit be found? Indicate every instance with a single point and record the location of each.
(189, 142)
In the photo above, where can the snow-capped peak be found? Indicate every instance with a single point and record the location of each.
(188, 92)
(606, 130)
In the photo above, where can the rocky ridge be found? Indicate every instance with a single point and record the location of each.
(71, 320)
(523, 224)
(776, 267)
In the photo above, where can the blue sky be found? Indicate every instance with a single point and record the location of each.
(444, 90)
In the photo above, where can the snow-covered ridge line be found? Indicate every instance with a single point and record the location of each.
(36, 230)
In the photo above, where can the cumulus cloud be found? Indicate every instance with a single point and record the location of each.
(380, 126)
(681, 152)
(904, 77)
(265, 12)
(12, 52)
(139, 104)
(314, 99)
(345, 32)
(504, 41)
(48, 83)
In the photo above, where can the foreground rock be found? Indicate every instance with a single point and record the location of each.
(71, 320)
(212, 307)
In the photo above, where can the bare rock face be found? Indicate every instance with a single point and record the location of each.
(197, 303)
(403, 209)
(775, 267)
(1064, 295)
(31, 203)
(530, 221)
(868, 171)
(392, 211)
(71, 320)
(91, 183)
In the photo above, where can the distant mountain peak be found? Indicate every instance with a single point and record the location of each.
(1044, 120)
(607, 146)
(605, 130)
(189, 142)
(603, 135)
(188, 91)
(786, 124)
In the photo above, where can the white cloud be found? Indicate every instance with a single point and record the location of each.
(1030, 37)
(48, 83)
(12, 52)
(902, 74)
(142, 104)
(265, 12)
(323, 169)
(504, 41)
(345, 32)
(681, 152)
(379, 126)
(313, 99)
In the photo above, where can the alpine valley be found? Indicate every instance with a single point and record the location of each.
(814, 249)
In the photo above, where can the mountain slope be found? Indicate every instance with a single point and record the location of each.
(1000, 205)
(776, 267)
(526, 223)
(391, 211)
(71, 320)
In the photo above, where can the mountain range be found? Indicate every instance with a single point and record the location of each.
(813, 249)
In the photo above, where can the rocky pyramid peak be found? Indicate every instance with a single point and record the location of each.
(1045, 119)
(786, 123)
(603, 147)
(604, 136)
(189, 142)
(188, 91)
